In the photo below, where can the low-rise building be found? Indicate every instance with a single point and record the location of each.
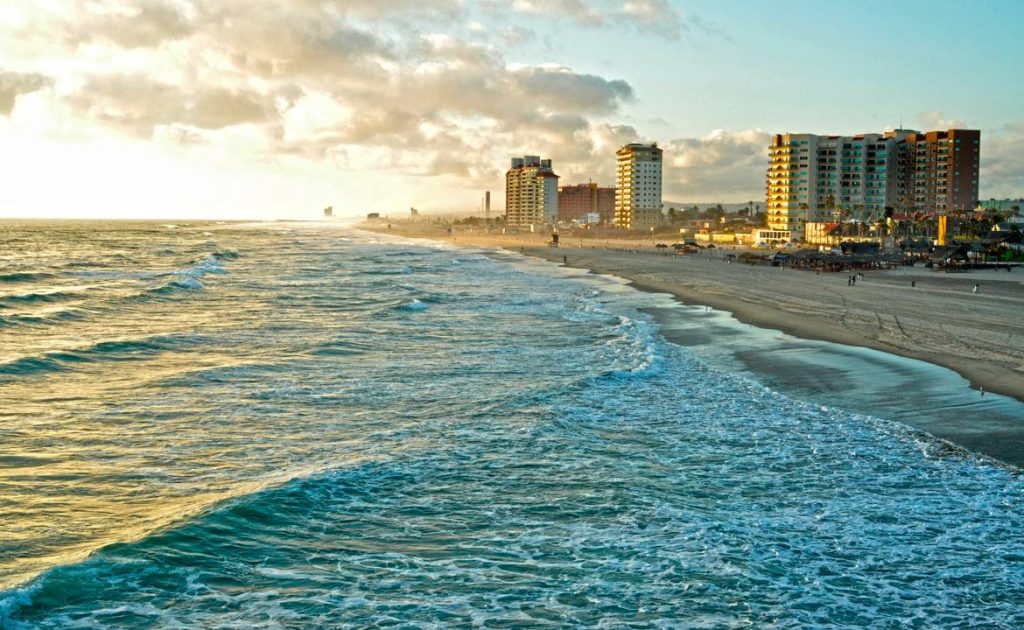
(821, 233)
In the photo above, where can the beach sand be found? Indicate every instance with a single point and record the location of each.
(910, 312)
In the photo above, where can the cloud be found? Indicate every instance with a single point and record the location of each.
(721, 164)
(142, 24)
(210, 65)
(362, 84)
(137, 104)
(14, 84)
(578, 11)
(934, 120)
(559, 88)
(1002, 162)
(656, 16)
(647, 16)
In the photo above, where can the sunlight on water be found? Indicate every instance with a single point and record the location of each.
(229, 425)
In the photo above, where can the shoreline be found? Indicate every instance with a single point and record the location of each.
(822, 308)
(766, 316)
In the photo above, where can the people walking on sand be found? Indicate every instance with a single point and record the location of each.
(975, 290)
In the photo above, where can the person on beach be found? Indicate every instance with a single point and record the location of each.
(975, 289)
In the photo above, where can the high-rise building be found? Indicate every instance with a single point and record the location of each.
(638, 186)
(818, 178)
(577, 201)
(938, 170)
(531, 192)
(822, 178)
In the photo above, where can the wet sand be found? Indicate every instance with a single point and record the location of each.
(910, 312)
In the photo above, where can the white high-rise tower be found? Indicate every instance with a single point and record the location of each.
(638, 186)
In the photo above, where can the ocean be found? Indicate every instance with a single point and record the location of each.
(304, 425)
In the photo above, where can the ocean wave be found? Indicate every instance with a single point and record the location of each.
(25, 276)
(392, 271)
(600, 521)
(631, 348)
(414, 305)
(189, 279)
(51, 318)
(81, 262)
(41, 297)
(115, 275)
(211, 263)
(185, 284)
(113, 350)
(545, 458)
(342, 347)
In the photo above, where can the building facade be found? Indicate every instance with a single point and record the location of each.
(577, 201)
(638, 186)
(814, 178)
(531, 192)
(938, 170)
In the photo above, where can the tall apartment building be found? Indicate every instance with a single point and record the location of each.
(815, 178)
(821, 178)
(939, 170)
(577, 201)
(531, 192)
(638, 186)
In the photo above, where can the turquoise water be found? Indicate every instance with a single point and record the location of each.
(301, 426)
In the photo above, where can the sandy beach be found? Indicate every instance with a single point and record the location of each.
(912, 312)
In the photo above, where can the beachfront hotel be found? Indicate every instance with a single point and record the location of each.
(578, 201)
(638, 186)
(814, 178)
(531, 192)
(938, 170)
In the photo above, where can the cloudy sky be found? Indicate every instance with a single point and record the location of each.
(277, 108)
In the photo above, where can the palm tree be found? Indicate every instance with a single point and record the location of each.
(830, 206)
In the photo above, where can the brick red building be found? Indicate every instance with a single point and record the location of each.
(938, 170)
(576, 201)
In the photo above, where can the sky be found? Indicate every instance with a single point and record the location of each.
(278, 108)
